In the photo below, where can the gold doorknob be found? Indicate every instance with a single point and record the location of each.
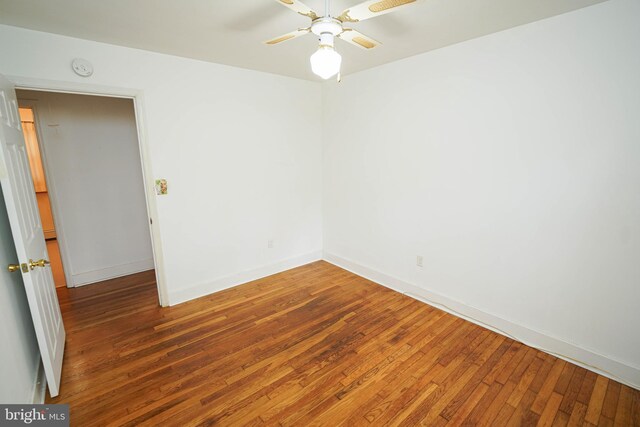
(40, 263)
(13, 267)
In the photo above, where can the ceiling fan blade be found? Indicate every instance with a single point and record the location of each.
(356, 38)
(371, 8)
(300, 8)
(288, 36)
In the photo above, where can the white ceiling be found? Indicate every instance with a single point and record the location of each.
(232, 32)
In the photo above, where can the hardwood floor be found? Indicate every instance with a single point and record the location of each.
(315, 345)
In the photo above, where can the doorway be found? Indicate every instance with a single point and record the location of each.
(87, 172)
(27, 119)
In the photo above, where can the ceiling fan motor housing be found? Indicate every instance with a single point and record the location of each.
(326, 28)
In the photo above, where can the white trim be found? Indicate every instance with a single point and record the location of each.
(79, 88)
(196, 291)
(137, 96)
(40, 385)
(150, 198)
(93, 276)
(600, 364)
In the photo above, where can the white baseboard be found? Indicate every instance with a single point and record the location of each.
(196, 291)
(40, 386)
(94, 276)
(593, 361)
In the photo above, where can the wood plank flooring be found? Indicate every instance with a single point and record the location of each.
(315, 345)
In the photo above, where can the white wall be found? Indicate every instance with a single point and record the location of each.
(508, 162)
(93, 163)
(511, 164)
(19, 354)
(241, 151)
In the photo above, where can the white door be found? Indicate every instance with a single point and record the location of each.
(24, 217)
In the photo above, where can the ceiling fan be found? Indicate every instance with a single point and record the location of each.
(325, 62)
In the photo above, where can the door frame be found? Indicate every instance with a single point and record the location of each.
(137, 96)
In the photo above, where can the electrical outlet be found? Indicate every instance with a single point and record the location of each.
(419, 261)
(270, 243)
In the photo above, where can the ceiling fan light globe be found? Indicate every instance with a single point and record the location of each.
(325, 62)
